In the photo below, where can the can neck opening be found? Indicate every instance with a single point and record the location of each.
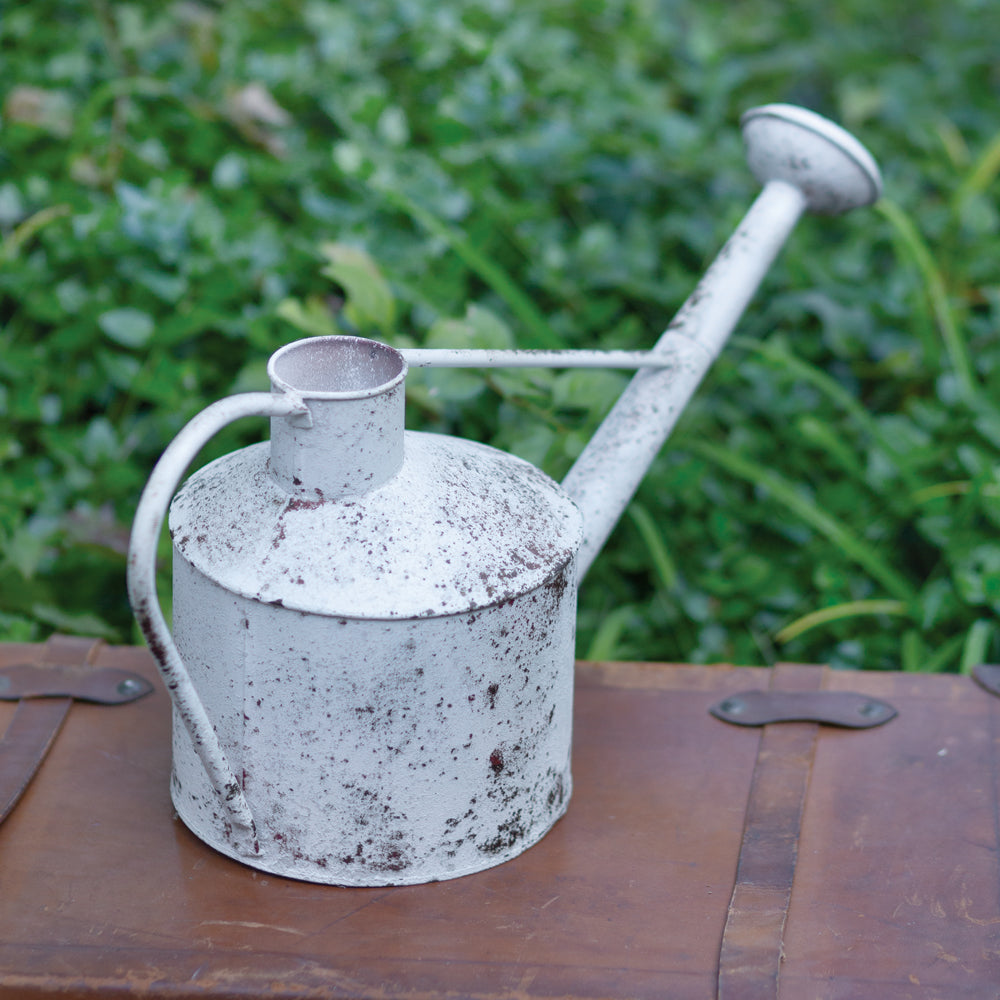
(355, 394)
(336, 368)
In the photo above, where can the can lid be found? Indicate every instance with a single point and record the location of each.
(461, 526)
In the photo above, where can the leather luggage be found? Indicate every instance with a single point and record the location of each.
(698, 859)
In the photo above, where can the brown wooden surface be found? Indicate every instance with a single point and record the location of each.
(896, 887)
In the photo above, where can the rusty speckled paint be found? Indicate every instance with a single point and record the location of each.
(387, 660)
(372, 662)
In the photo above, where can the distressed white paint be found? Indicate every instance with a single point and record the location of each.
(380, 752)
(461, 526)
(378, 670)
(373, 671)
(829, 166)
(442, 357)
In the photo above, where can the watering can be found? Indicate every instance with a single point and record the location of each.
(371, 664)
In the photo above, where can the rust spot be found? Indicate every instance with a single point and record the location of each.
(558, 793)
(558, 584)
(492, 692)
(508, 834)
(496, 761)
(297, 503)
(393, 861)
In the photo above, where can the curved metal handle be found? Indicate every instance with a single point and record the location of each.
(141, 579)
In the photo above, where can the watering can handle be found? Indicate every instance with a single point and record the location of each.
(149, 517)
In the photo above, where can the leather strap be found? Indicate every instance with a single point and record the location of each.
(751, 952)
(37, 722)
(103, 686)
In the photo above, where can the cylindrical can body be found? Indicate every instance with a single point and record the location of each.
(372, 655)
(390, 677)
(380, 752)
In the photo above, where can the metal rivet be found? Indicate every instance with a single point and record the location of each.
(733, 706)
(128, 686)
(870, 709)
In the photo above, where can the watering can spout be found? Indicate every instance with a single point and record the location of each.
(804, 162)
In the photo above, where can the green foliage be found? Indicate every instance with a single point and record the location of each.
(184, 187)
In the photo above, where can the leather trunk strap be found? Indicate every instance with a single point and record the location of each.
(37, 722)
(751, 953)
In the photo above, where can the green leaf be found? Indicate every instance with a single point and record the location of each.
(478, 328)
(77, 623)
(312, 316)
(370, 304)
(977, 642)
(836, 532)
(977, 575)
(24, 549)
(539, 333)
(126, 326)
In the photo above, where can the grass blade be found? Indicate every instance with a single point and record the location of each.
(665, 568)
(604, 645)
(849, 544)
(776, 350)
(837, 612)
(982, 175)
(955, 488)
(912, 243)
(12, 245)
(977, 642)
(938, 660)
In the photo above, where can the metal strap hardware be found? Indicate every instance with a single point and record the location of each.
(988, 676)
(45, 692)
(833, 708)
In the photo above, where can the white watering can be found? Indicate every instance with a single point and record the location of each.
(372, 659)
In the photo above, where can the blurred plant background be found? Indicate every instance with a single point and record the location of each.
(186, 186)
